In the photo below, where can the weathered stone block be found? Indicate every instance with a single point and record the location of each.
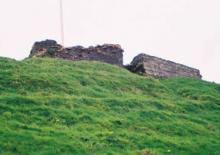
(153, 66)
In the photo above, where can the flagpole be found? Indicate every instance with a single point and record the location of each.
(61, 23)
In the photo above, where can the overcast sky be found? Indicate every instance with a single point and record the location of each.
(184, 31)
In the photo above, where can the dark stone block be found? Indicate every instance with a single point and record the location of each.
(153, 66)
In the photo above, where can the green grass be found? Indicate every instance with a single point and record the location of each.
(52, 106)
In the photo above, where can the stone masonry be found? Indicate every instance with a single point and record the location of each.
(109, 53)
(153, 66)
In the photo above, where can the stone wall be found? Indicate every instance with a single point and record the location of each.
(153, 66)
(109, 53)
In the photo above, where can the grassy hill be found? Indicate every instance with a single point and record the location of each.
(52, 106)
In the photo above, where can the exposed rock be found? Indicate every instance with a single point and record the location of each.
(153, 66)
(108, 53)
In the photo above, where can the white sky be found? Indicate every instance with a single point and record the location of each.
(184, 31)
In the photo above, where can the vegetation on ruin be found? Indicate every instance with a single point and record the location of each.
(54, 106)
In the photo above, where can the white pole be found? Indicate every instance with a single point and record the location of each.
(61, 23)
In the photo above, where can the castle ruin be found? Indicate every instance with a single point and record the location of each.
(109, 53)
(113, 54)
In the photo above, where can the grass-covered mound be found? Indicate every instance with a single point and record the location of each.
(52, 106)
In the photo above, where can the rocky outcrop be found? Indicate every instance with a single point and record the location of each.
(153, 66)
(109, 53)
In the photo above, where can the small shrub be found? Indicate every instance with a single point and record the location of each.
(7, 114)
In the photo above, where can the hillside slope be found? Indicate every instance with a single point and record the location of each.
(52, 106)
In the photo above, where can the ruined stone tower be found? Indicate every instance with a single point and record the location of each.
(109, 53)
